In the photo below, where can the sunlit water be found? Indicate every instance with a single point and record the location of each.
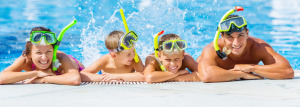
(277, 22)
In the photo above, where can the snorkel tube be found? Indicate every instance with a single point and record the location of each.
(223, 55)
(136, 57)
(55, 61)
(156, 50)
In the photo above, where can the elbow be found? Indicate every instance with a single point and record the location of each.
(207, 78)
(289, 74)
(149, 78)
(1, 81)
(75, 81)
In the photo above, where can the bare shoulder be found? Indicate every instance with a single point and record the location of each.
(259, 46)
(150, 58)
(19, 64)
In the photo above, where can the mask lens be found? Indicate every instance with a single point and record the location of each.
(36, 37)
(168, 46)
(181, 44)
(50, 38)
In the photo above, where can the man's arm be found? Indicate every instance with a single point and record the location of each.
(209, 71)
(275, 66)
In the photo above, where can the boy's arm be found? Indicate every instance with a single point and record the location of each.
(191, 77)
(192, 65)
(275, 66)
(152, 76)
(89, 73)
(138, 67)
(209, 71)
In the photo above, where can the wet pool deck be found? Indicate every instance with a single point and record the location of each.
(176, 94)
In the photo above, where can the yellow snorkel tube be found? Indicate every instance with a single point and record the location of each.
(156, 50)
(136, 57)
(223, 55)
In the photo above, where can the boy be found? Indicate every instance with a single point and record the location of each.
(171, 62)
(119, 64)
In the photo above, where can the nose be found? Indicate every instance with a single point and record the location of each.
(44, 57)
(236, 42)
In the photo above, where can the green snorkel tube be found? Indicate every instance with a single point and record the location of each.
(136, 57)
(156, 50)
(55, 62)
(223, 55)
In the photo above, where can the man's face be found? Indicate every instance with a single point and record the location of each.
(236, 41)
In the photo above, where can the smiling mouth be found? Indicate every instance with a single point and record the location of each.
(173, 68)
(43, 62)
(238, 47)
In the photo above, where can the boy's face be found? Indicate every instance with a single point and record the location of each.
(42, 56)
(172, 62)
(126, 56)
(236, 42)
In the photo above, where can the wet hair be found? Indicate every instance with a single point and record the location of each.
(232, 16)
(28, 45)
(112, 40)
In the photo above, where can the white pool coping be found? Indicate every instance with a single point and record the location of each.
(262, 93)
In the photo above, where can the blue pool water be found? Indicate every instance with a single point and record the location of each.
(275, 21)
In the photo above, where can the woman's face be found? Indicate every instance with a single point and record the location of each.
(42, 56)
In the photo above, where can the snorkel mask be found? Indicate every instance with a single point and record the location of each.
(49, 38)
(42, 37)
(228, 26)
(126, 42)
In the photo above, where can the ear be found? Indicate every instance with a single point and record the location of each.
(159, 55)
(222, 35)
(112, 54)
(247, 31)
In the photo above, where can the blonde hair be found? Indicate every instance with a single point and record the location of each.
(111, 40)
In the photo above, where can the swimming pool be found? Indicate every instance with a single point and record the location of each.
(275, 21)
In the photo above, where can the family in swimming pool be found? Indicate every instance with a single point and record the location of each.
(234, 57)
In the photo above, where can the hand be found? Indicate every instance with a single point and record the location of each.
(44, 73)
(110, 77)
(181, 72)
(250, 76)
(34, 80)
(247, 68)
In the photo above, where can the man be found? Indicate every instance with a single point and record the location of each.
(244, 54)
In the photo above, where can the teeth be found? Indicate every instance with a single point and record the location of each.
(44, 62)
(172, 67)
(236, 47)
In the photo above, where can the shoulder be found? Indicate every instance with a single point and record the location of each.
(259, 46)
(150, 58)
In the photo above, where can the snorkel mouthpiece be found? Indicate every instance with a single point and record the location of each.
(223, 55)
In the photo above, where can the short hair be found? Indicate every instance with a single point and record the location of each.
(112, 40)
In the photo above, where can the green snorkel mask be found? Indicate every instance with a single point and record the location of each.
(136, 57)
(55, 62)
(228, 26)
(156, 49)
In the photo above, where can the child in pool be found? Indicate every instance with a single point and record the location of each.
(173, 59)
(119, 64)
(36, 60)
